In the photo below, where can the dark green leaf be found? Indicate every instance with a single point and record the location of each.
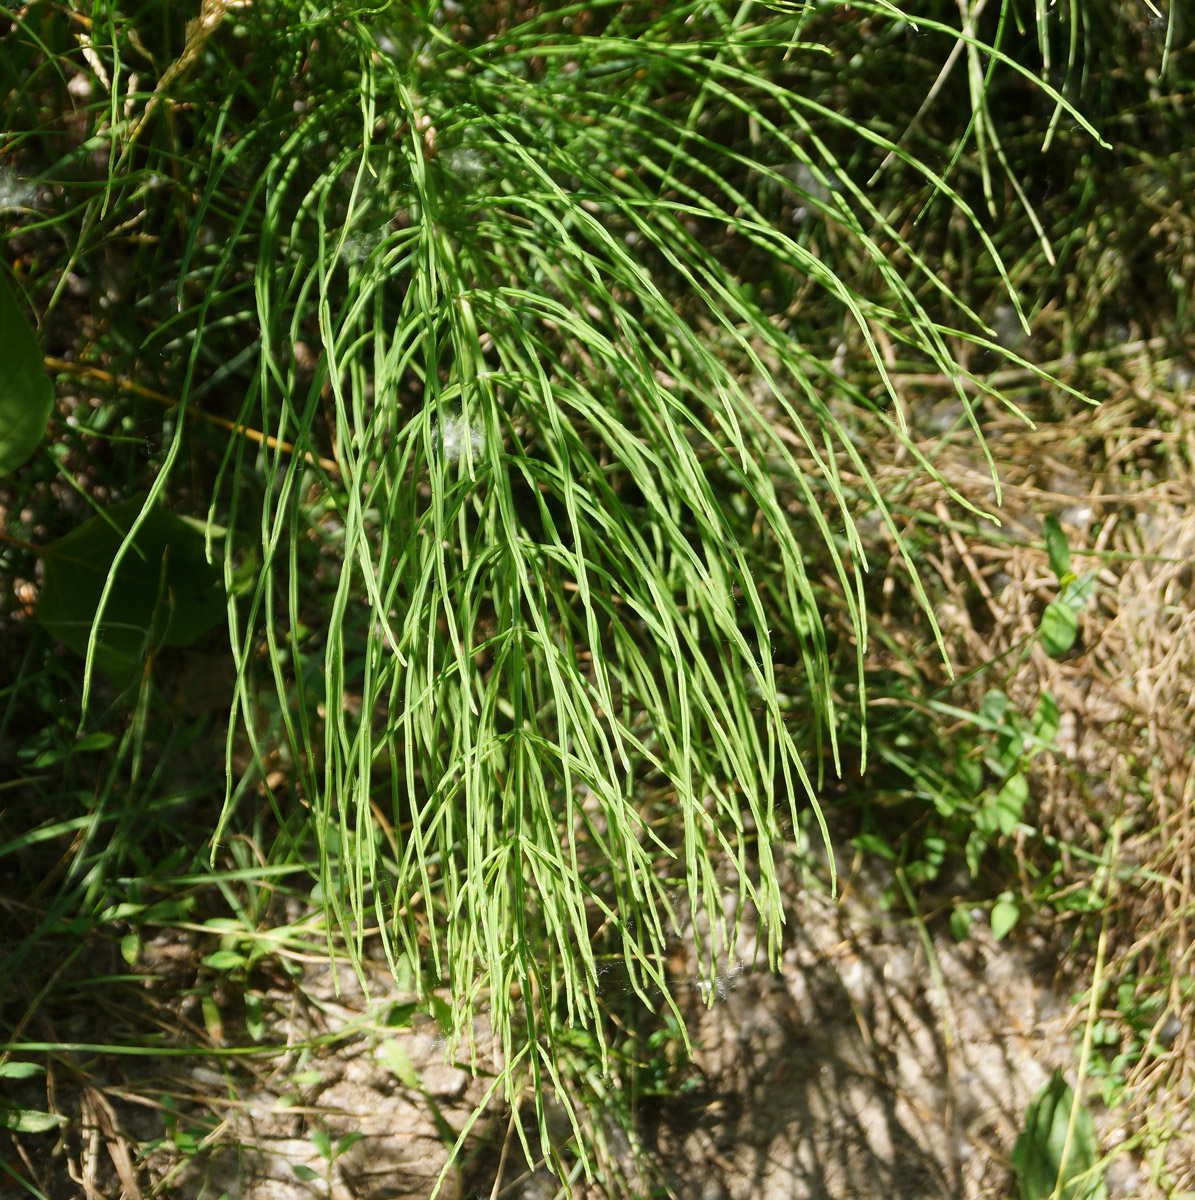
(1004, 755)
(165, 589)
(304, 1173)
(26, 394)
(168, 910)
(400, 1015)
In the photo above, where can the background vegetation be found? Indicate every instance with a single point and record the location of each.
(497, 457)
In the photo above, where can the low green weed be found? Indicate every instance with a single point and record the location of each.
(978, 798)
(329, 1151)
(1057, 1155)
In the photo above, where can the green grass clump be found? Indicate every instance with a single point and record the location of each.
(543, 583)
(567, 539)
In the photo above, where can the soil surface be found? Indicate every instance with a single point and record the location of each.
(882, 1059)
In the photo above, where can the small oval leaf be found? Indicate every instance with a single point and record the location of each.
(225, 960)
(1059, 628)
(1005, 915)
(27, 1120)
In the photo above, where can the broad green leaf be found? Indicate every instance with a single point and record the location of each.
(1058, 547)
(1059, 628)
(1045, 1165)
(304, 1173)
(1005, 914)
(20, 1070)
(165, 589)
(1059, 623)
(26, 393)
(168, 910)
